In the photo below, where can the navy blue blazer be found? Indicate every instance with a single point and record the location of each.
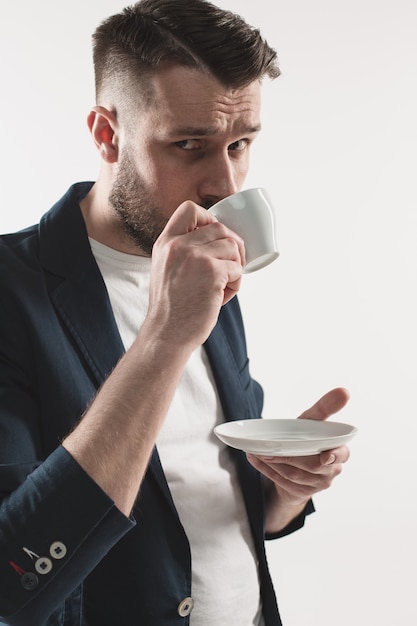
(68, 556)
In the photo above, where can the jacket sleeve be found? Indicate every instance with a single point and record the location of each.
(43, 557)
(56, 524)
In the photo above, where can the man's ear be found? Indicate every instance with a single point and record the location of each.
(102, 124)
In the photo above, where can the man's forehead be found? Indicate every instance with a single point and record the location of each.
(194, 103)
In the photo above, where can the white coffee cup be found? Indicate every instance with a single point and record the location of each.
(250, 214)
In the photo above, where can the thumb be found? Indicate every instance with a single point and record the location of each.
(328, 404)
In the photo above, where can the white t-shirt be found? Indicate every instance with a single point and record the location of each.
(199, 470)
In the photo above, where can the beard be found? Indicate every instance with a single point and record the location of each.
(141, 219)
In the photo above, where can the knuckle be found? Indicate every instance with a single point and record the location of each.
(294, 474)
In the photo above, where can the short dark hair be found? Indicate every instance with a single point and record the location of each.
(194, 33)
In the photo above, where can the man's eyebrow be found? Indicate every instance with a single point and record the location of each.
(207, 131)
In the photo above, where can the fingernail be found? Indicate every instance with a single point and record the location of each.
(330, 460)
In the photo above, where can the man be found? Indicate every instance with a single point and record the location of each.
(122, 347)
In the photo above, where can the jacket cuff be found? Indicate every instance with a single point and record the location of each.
(60, 524)
(295, 524)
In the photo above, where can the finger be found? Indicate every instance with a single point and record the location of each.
(294, 482)
(328, 404)
(231, 290)
(187, 217)
(271, 469)
(335, 456)
(225, 244)
(313, 464)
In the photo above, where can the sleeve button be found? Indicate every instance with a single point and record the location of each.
(43, 565)
(29, 581)
(58, 550)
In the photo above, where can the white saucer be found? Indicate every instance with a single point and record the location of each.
(284, 437)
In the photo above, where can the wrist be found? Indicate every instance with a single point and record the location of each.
(281, 508)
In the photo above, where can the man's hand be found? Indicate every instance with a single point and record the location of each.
(197, 267)
(292, 481)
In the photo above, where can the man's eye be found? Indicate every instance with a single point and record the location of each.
(189, 144)
(239, 145)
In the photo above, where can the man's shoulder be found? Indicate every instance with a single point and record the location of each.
(18, 246)
(59, 223)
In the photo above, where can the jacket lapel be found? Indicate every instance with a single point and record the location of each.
(76, 286)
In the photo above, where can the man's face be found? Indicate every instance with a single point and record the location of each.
(192, 143)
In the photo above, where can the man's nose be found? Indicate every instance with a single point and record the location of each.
(220, 179)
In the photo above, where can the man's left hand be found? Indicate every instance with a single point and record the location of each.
(292, 481)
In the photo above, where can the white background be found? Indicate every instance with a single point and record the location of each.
(338, 155)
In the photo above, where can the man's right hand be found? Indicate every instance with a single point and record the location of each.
(196, 268)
